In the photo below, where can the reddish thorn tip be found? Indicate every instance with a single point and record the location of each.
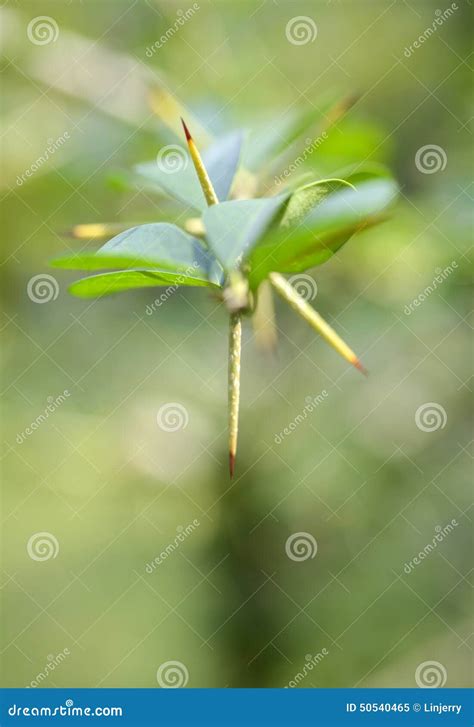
(186, 130)
(231, 464)
(360, 367)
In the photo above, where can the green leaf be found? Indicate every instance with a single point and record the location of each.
(233, 228)
(221, 160)
(158, 245)
(307, 197)
(335, 218)
(108, 283)
(173, 170)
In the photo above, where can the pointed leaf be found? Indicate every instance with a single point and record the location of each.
(159, 245)
(233, 228)
(108, 283)
(173, 170)
(323, 231)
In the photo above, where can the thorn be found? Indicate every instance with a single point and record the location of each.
(360, 366)
(206, 184)
(231, 464)
(186, 130)
(235, 345)
(288, 293)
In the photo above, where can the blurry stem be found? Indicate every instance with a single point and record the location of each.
(263, 320)
(338, 111)
(235, 347)
(301, 306)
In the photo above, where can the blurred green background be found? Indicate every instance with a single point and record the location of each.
(111, 489)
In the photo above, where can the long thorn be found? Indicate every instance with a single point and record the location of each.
(201, 171)
(235, 347)
(235, 323)
(299, 304)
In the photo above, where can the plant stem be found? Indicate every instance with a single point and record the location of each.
(235, 324)
(263, 320)
(235, 347)
(301, 306)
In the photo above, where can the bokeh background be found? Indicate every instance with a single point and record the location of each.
(358, 476)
